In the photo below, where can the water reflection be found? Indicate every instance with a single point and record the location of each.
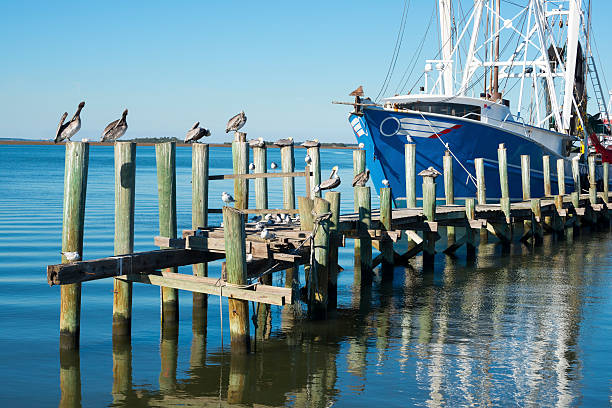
(70, 379)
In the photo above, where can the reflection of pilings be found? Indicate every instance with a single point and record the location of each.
(264, 316)
(122, 369)
(168, 350)
(198, 340)
(237, 379)
(70, 378)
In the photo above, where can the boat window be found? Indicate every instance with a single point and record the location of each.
(442, 108)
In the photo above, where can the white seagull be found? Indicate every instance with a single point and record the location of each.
(308, 159)
(236, 122)
(385, 183)
(267, 234)
(72, 256)
(251, 166)
(227, 198)
(66, 130)
(273, 165)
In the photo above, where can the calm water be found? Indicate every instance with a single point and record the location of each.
(530, 328)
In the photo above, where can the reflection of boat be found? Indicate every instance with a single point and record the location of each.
(544, 74)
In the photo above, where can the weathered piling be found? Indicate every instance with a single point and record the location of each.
(481, 192)
(561, 176)
(359, 166)
(410, 158)
(502, 159)
(70, 377)
(236, 267)
(333, 197)
(288, 166)
(364, 203)
(75, 189)
(199, 218)
(546, 171)
(536, 220)
(386, 245)
(429, 211)
(165, 154)
(575, 198)
(305, 207)
(470, 241)
(122, 370)
(525, 177)
(315, 166)
(576, 175)
(125, 182)
(317, 307)
(260, 160)
(449, 191)
(592, 182)
(606, 182)
(240, 163)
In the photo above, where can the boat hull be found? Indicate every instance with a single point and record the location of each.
(384, 134)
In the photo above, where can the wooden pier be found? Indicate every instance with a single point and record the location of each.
(312, 241)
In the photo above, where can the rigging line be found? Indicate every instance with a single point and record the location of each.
(398, 49)
(400, 34)
(514, 55)
(599, 60)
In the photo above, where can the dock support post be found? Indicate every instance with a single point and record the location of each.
(561, 176)
(315, 166)
(429, 211)
(165, 154)
(364, 203)
(526, 186)
(305, 207)
(606, 185)
(236, 267)
(576, 203)
(481, 193)
(592, 183)
(546, 170)
(75, 191)
(125, 181)
(576, 176)
(536, 222)
(449, 191)
(288, 166)
(502, 159)
(260, 161)
(386, 245)
(559, 218)
(470, 241)
(333, 197)
(359, 166)
(240, 163)
(410, 157)
(199, 218)
(317, 309)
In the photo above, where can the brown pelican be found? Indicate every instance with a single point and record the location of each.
(311, 143)
(284, 142)
(196, 133)
(430, 172)
(357, 92)
(66, 130)
(259, 142)
(361, 179)
(115, 129)
(332, 182)
(236, 122)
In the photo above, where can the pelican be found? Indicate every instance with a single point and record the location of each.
(273, 165)
(311, 143)
(227, 198)
(285, 142)
(430, 172)
(385, 183)
(251, 166)
(267, 234)
(332, 182)
(115, 129)
(357, 92)
(66, 130)
(259, 142)
(196, 133)
(361, 179)
(236, 122)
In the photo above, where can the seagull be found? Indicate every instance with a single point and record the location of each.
(66, 130)
(259, 142)
(332, 182)
(72, 256)
(273, 165)
(196, 133)
(311, 143)
(260, 225)
(249, 257)
(256, 218)
(362, 178)
(227, 198)
(267, 235)
(252, 166)
(385, 183)
(284, 142)
(357, 92)
(308, 159)
(115, 129)
(361, 145)
(236, 122)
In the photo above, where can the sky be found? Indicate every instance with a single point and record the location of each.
(174, 63)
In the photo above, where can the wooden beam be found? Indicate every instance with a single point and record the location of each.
(75, 272)
(257, 175)
(259, 211)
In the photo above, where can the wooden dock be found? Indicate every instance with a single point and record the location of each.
(311, 241)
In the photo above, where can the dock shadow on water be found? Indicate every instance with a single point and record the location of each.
(503, 329)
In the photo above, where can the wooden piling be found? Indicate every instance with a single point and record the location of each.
(317, 308)
(315, 166)
(525, 177)
(546, 171)
(333, 197)
(429, 211)
(70, 376)
(199, 218)
(449, 191)
(410, 157)
(576, 175)
(288, 166)
(364, 202)
(536, 223)
(561, 176)
(502, 159)
(165, 154)
(240, 163)
(359, 166)
(125, 182)
(480, 181)
(592, 182)
(606, 183)
(75, 190)
(386, 245)
(236, 267)
(469, 232)
(575, 197)
(261, 184)
(305, 207)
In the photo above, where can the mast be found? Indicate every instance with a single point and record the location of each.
(573, 25)
(469, 70)
(447, 46)
(496, 95)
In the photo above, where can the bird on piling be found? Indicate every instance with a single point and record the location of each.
(361, 179)
(66, 130)
(267, 234)
(115, 129)
(332, 182)
(236, 122)
(259, 142)
(196, 133)
(311, 143)
(385, 183)
(308, 159)
(357, 92)
(284, 142)
(227, 198)
(72, 256)
(361, 145)
(273, 165)
(251, 166)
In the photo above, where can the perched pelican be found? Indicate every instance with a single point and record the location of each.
(273, 165)
(361, 145)
(66, 130)
(362, 178)
(251, 166)
(72, 256)
(385, 183)
(259, 142)
(308, 159)
(267, 235)
(115, 129)
(429, 172)
(227, 198)
(236, 122)
(332, 182)
(311, 143)
(196, 133)
(357, 92)
(284, 142)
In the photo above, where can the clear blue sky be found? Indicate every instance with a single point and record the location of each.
(174, 63)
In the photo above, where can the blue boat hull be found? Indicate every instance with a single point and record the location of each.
(384, 134)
